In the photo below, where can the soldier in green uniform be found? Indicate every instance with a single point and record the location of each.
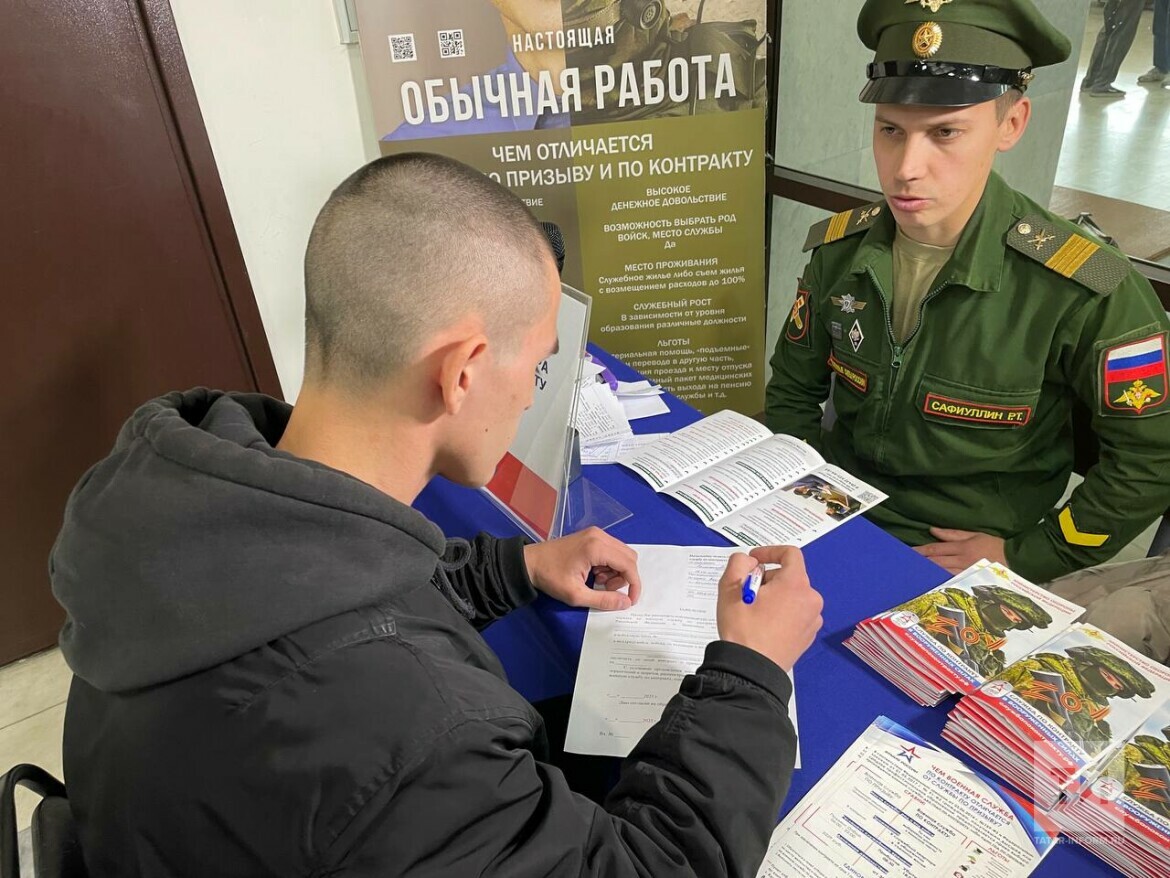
(1092, 676)
(991, 611)
(961, 320)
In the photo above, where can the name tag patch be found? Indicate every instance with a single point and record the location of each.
(951, 409)
(855, 378)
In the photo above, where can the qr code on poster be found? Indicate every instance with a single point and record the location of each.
(402, 48)
(451, 44)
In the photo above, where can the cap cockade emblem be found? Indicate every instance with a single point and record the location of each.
(927, 39)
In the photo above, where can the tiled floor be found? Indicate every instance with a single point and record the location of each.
(32, 713)
(1120, 147)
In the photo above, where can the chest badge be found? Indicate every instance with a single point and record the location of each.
(856, 336)
(848, 304)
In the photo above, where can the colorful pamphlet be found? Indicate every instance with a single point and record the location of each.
(1123, 814)
(1051, 719)
(955, 637)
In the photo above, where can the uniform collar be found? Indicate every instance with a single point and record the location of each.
(977, 262)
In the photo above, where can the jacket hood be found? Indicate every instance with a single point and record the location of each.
(196, 541)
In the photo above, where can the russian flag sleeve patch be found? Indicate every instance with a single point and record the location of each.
(1133, 377)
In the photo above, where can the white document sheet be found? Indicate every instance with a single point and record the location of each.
(638, 388)
(633, 661)
(645, 405)
(590, 369)
(599, 415)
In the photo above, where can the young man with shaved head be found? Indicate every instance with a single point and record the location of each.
(956, 322)
(277, 670)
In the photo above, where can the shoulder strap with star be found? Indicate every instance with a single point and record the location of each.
(843, 224)
(1070, 254)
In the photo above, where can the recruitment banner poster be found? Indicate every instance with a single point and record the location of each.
(637, 126)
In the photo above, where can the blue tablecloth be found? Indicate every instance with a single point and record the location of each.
(858, 568)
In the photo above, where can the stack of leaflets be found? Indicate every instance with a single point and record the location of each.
(1123, 816)
(753, 487)
(895, 805)
(957, 636)
(1049, 720)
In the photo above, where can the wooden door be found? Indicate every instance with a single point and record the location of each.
(120, 274)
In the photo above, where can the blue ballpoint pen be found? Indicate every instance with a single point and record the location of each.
(751, 585)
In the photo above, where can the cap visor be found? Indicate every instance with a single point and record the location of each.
(930, 91)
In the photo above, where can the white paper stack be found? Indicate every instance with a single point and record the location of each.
(605, 409)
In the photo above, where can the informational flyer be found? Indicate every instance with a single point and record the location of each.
(635, 126)
(754, 488)
(894, 806)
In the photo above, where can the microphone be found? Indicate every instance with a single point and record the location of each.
(557, 241)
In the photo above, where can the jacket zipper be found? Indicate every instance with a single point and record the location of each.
(899, 352)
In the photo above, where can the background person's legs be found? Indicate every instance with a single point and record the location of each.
(1162, 35)
(1161, 67)
(1113, 44)
(1130, 600)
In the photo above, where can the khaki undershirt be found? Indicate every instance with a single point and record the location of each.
(915, 268)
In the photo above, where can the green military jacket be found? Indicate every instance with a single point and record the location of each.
(967, 424)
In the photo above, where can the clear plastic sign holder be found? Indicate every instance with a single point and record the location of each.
(547, 448)
(587, 504)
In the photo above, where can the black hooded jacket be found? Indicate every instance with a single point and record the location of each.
(277, 673)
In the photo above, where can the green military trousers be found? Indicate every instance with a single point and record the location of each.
(1128, 599)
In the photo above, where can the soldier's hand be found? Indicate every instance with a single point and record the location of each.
(957, 550)
(786, 614)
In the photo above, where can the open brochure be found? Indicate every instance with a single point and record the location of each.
(751, 486)
(1052, 718)
(955, 637)
(895, 805)
(1123, 816)
(633, 662)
